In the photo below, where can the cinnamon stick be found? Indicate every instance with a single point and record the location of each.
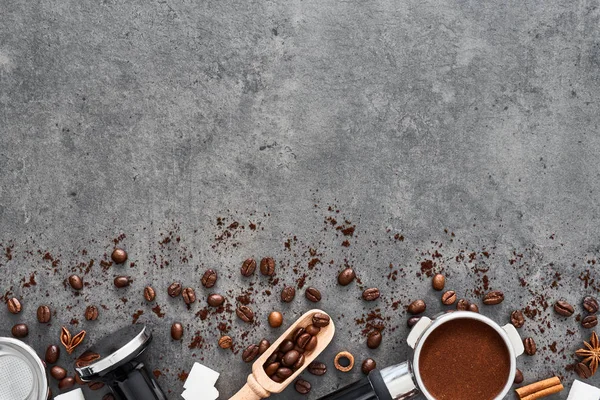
(540, 386)
(544, 393)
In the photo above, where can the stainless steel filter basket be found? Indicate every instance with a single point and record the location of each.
(22, 374)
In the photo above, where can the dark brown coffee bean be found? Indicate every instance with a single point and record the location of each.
(225, 342)
(299, 349)
(299, 363)
(91, 313)
(563, 308)
(290, 358)
(462, 305)
(312, 294)
(530, 348)
(449, 297)
(590, 304)
(368, 365)
(14, 305)
(287, 294)
(284, 373)
(313, 330)
(215, 300)
(272, 368)
(86, 359)
(267, 266)
(189, 295)
(583, 371)
(122, 281)
(66, 383)
(95, 385)
(119, 256)
(297, 333)
(248, 267)
(52, 354)
(250, 353)
(370, 294)
(20, 331)
(417, 307)
(438, 282)
(303, 340)
(274, 357)
(58, 373)
(275, 319)
(176, 331)
(517, 319)
(286, 346)
(245, 313)
(43, 314)
(76, 282)
(263, 346)
(493, 298)
(302, 386)
(346, 277)
(277, 379)
(589, 322)
(312, 343)
(374, 339)
(317, 368)
(79, 381)
(473, 308)
(412, 321)
(174, 289)
(518, 377)
(149, 293)
(209, 278)
(320, 320)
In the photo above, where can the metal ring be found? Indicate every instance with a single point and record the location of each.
(346, 355)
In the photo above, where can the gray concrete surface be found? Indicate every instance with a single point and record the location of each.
(464, 127)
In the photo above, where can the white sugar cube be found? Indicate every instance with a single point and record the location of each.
(76, 394)
(583, 391)
(201, 393)
(201, 376)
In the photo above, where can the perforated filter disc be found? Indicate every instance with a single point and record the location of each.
(22, 374)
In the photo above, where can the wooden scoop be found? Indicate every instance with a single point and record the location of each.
(259, 385)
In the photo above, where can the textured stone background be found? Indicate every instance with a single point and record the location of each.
(468, 128)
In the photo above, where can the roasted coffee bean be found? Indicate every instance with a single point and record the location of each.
(20, 331)
(312, 294)
(412, 321)
(346, 277)
(174, 289)
(371, 294)
(530, 347)
(374, 339)
(287, 294)
(275, 319)
(493, 298)
(438, 282)
(589, 322)
(215, 300)
(245, 313)
(302, 386)
(583, 371)
(320, 320)
(299, 363)
(91, 313)
(76, 282)
(58, 373)
(248, 267)
(590, 304)
(122, 281)
(189, 295)
(119, 256)
(267, 266)
(272, 368)
(313, 330)
(473, 308)
(149, 293)
(299, 349)
(277, 379)
(225, 342)
(303, 340)
(263, 346)
(284, 373)
(462, 305)
(66, 383)
(52, 354)
(176, 331)
(273, 358)
(95, 385)
(563, 308)
(14, 305)
(290, 358)
(43, 314)
(297, 333)
(286, 346)
(317, 368)
(449, 297)
(312, 343)
(517, 319)
(368, 365)
(250, 353)
(518, 377)
(417, 307)
(209, 278)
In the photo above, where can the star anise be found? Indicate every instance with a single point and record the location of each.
(591, 353)
(70, 342)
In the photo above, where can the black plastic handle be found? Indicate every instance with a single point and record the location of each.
(370, 388)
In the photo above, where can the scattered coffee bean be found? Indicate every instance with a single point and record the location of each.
(287, 294)
(245, 313)
(250, 353)
(530, 348)
(95, 385)
(119, 256)
(58, 373)
(91, 313)
(176, 331)
(267, 266)
(368, 365)
(417, 307)
(590, 304)
(412, 321)
(438, 282)
(189, 295)
(225, 342)
(302, 386)
(589, 322)
(374, 339)
(518, 377)
(209, 278)
(312, 294)
(13, 305)
(52, 354)
(43, 314)
(290, 358)
(215, 300)
(20, 331)
(149, 293)
(462, 305)
(275, 319)
(473, 308)
(76, 282)
(174, 289)
(66, 383)
(494, 297)
(271, 368)
(320, 320)
(370, 294)
(312, 330)
(517, 319)
(346, 276)
(317, 368)
(583, 371)
(122, 281)
(248, 267)
(263, 346)
(563, 308)
(449, 297)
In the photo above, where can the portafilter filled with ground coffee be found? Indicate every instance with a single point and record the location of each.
(457, 356)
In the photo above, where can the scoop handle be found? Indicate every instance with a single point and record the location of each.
(251, 391)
